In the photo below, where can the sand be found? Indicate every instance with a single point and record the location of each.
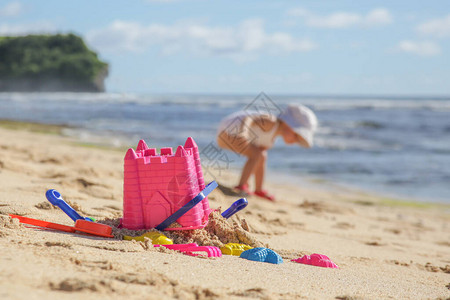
(385, 249)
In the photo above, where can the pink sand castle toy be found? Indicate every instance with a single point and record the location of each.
(317, 260)
(157, 185)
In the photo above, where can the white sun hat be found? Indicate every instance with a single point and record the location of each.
(302, 120)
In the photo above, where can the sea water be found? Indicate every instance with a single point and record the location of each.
(393, 146)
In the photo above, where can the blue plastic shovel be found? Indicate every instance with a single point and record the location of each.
(180, 212)
(55, 198)
(235, 207)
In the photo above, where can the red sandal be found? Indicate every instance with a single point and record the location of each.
(243, 189)
(265, 195)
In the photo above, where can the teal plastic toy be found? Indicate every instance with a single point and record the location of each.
(263, 255)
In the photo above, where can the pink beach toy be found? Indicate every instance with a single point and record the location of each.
(211, 251)
(157, 185)
(317, 260)
(189, 249)
(178, 247)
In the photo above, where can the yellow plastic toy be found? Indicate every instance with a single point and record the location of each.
(234, 249)
(156, 237)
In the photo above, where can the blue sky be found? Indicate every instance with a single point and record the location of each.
(280, 47)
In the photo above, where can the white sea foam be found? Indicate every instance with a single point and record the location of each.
(231, 101)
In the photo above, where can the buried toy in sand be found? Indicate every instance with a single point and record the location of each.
(263, 255)
(318, 260)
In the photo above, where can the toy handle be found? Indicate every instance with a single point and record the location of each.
(45, 224)
(55, 198)
(235, 207)
(180, 212)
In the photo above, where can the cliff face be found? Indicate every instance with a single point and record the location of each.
(49, 63)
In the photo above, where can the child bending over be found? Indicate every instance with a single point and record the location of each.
(251, 134)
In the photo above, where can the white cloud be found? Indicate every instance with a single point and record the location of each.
(11, 9)
(375, 17)
(439, 28)
(242, 42)
(379, 16)
(29, 28)
(336, 20)
(298, 12)
(423, 48)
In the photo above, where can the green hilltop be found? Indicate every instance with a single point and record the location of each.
(60, 62)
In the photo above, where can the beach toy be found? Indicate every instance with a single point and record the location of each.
(156, 237)
(263, 255)
(56, 199)
(93, 228)
(157, 184)
(234, 249)
(179, 213)
(80, 225)
(44, 224)
(235, 207)
(178, 247)
(189, 249)
(210, 251)
(317, 260)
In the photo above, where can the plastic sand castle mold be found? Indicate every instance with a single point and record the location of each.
(263, 255)
(156, 185)
(317, 260)
(234, 249)
(156, 237)
(191, 249)
(178, 247)
(210, 251)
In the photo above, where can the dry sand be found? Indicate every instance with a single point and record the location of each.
(385, 249)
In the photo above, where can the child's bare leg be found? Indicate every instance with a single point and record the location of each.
(247, 171)
(241, 146)
(260, 169)
(254, 155)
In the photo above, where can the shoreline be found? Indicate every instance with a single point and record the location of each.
(274, 176)
(364, 237)
(319, 183)
(358, 146)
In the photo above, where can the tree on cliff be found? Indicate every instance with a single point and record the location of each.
(34, 60)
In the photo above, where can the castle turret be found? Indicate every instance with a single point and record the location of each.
(191, 144)
(132, 208)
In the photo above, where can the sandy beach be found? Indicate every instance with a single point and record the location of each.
(385, 249)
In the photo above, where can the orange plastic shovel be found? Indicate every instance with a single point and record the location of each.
(80, 225)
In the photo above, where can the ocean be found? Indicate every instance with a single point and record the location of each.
(397, 147)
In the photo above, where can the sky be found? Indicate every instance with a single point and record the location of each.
(325, 47)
